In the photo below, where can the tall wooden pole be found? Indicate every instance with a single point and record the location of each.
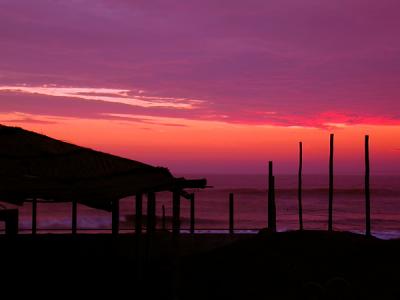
(273, 215)
(74, 216)
(367, 189)
(270, 169)
(192, 213)
(176, 228)
(34, 216)
(271, 199)
(231, 211)
(330, 209)
(138, 213)
(300, 188)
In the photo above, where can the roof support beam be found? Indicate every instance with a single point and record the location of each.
(176, 212)
(115, 217)
(34, 215)
(151, 212)
(74, 216)
(138, 213)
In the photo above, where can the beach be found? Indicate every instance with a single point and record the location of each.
(290, 265)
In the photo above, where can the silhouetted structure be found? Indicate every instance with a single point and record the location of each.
(367, 189)
(330, 209)
(271, 199)
(300, 192)
(35, 166)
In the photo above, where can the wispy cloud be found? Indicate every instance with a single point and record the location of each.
(69, 103)
(163, 121)
(21, 118)
(105, 94)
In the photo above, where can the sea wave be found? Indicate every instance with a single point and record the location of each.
(309, 191)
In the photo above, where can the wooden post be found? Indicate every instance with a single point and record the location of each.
(270, 169)
(330, 209)
(138, 213)
(192, 214)
(164, 223)
(115, 217)
(34, 216)
(176, 213)
(273, 215)
(151, 212)
(74, 216)
(367, 189)
(271, 200)
(10, 217)
(231, 220)
(300, 188)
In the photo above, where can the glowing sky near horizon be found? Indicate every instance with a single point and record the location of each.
(208, 86)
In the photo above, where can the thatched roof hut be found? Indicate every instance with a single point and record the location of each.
(36, 166)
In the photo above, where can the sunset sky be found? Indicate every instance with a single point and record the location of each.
(208, 86)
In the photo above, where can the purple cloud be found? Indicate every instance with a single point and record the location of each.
(307, 61)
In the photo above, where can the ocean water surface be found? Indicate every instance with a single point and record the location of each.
(250, 194)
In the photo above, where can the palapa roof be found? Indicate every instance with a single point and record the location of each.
(33, 165)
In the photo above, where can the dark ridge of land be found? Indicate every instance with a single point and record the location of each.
(289, 265)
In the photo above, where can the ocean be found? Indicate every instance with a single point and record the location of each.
(250, 201)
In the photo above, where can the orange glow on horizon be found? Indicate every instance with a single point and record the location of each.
(188, 146)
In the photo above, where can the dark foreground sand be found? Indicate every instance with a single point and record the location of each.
(291, 265)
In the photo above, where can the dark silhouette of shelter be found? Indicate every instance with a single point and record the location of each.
(34, 166)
